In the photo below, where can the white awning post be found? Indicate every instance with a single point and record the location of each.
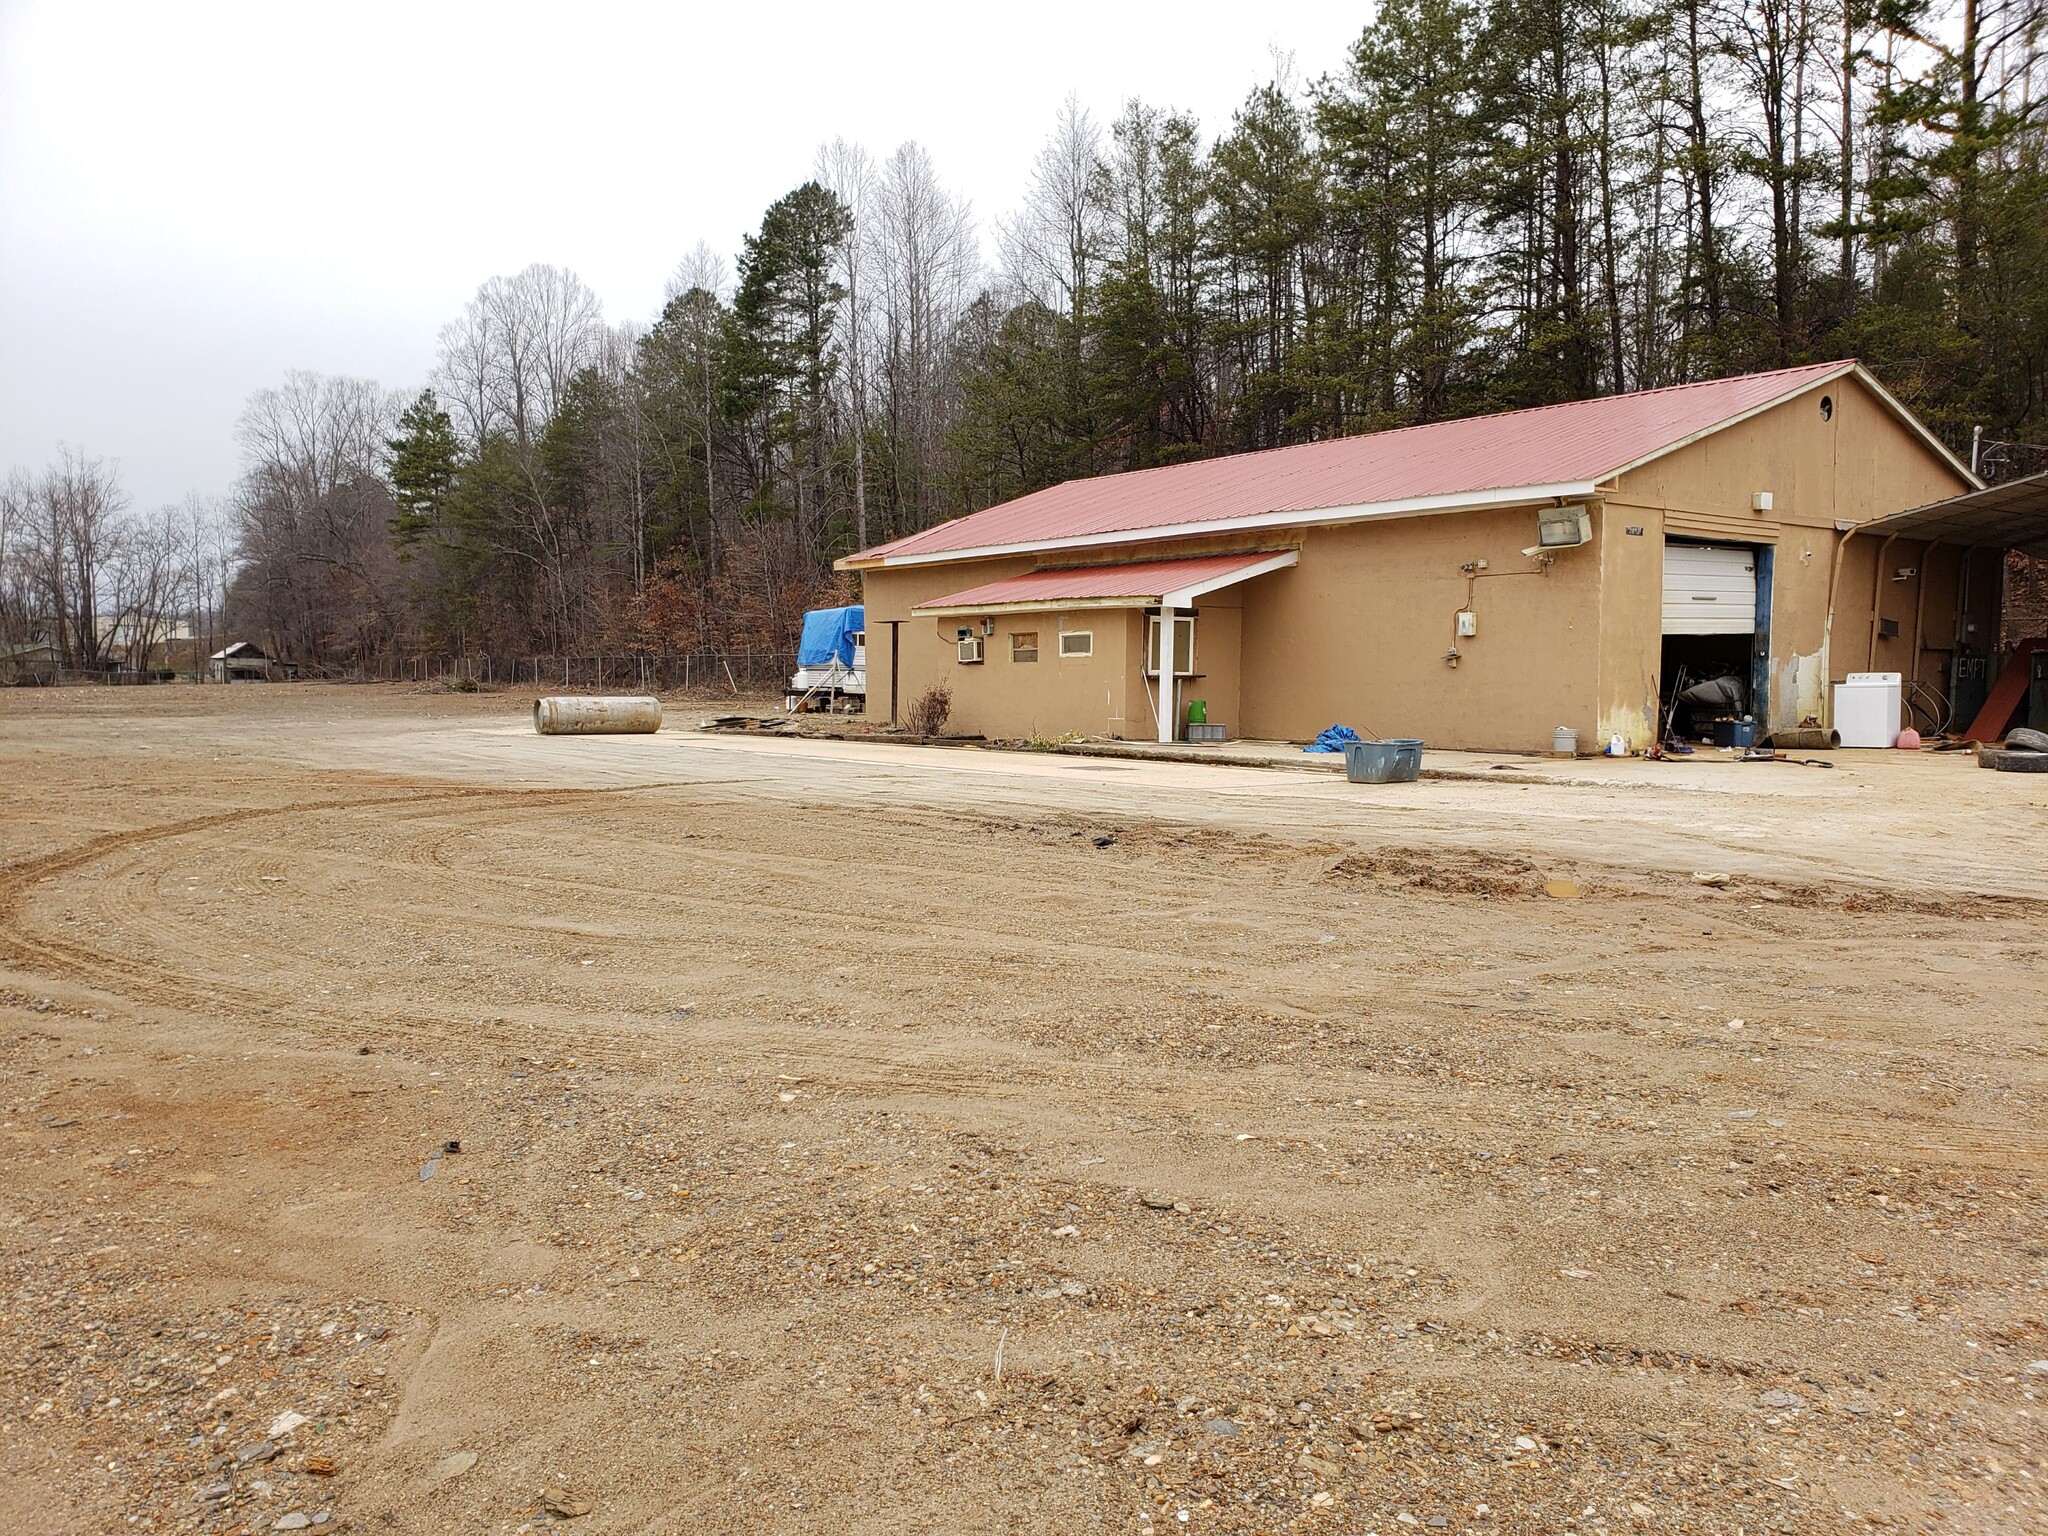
(1169, 692)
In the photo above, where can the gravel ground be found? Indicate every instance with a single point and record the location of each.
(874, 1140)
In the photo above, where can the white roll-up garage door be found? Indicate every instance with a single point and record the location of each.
(1709, 589)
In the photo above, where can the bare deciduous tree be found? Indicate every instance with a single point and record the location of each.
(69, 519)
(1051, 247)
(318, 571)
(929, 263)
(506, 362)
(848, 172)
(17, 577)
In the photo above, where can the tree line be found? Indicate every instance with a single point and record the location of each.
(96, 586)
(1492, 204)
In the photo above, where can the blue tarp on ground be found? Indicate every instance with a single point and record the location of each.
(828, 636)
(1333, 739)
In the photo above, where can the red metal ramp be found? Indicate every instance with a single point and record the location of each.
(2007, 694)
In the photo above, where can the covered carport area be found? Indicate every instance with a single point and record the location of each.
(2003, 685)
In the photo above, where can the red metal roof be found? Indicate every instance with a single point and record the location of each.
(1147, 581)
(1576, 443)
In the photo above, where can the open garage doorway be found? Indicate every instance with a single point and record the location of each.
(1714, 665)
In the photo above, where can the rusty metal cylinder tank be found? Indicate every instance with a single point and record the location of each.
(617, 715)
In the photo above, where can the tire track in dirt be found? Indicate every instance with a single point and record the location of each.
(143, 982)
(884, 1063)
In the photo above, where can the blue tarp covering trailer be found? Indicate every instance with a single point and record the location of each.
(829, 634)
(831, 661)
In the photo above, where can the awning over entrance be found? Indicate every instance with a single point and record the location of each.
(1167, 583)
(2009, 516)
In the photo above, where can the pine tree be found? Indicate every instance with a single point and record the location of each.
(1404, 141)
(1267, 213)
(785, 358)
(424, 459)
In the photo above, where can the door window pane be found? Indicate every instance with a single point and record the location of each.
(1183, 645)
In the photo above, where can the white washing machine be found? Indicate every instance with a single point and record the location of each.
(1868, 709)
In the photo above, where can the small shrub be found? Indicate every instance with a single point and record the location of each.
(1050, 743)
(930, 710)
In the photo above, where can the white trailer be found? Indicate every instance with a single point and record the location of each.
(831, 664)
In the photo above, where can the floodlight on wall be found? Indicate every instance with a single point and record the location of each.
(1564, 527)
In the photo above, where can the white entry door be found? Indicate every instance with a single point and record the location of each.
(1709, 589)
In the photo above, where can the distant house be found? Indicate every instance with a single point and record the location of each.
(124, 631)
(242, 662)
(32, 662)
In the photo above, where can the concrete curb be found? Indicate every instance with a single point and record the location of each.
(1333, 763)
(1134, 752)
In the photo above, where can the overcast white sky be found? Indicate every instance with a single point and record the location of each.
(197, 196)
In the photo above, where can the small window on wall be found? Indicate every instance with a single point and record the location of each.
(1183, 645)
(1024, 645)
(1078, 642)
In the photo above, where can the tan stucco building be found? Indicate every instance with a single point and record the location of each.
(1473, 583)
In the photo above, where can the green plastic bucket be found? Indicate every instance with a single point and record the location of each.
(1198, 711)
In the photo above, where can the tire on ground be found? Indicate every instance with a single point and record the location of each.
(2020, 739)
(2012, 762)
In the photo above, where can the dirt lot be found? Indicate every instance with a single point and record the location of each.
(870, 1140)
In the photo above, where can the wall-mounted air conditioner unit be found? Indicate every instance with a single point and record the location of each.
(970, 650)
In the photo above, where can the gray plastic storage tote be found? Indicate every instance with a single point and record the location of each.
(1394, 761)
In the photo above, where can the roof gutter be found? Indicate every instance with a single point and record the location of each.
(1033, 605)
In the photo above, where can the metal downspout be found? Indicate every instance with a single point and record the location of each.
(1876, 594)
(1827, 632)
(1920, 607)
(1963, 591)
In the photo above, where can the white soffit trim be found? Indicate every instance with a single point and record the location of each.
(1737, 419)
(1897, 407)
(1854, 370)
(1416, 506)
(1181, 596)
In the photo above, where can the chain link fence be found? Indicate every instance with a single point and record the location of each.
(732, 674)
(741, 673)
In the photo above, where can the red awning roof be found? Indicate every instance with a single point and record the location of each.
(1113, 585)
(1445, 466)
